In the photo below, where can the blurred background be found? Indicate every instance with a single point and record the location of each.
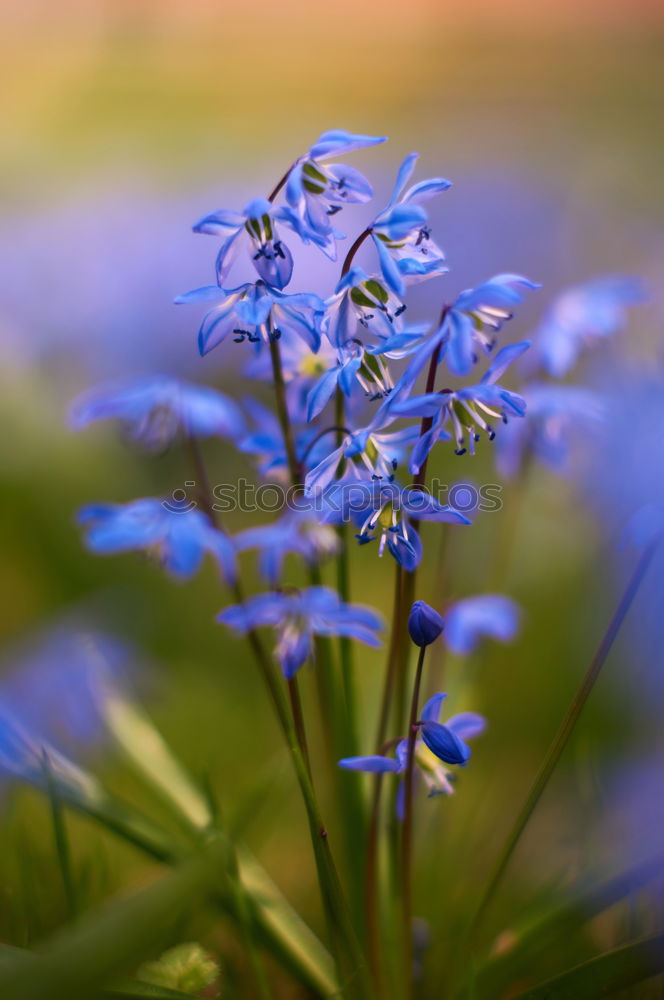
(122, 123)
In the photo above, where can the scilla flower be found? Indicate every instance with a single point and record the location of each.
(383, 510)
(155, 408)
(362, 306)
(468, 327)
(254, 229)
(424, 624)
(436, 744)
(178, 535)
(555, 414)
(299, 616)
(489, 615)
(582, 315)
(401, 233)
(469, 410)
(296, 532)
(255, 313)
(316, 191)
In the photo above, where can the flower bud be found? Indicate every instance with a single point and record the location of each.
(424, 624)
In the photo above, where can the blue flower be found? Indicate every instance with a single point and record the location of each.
(256, 313)
(179, 538)
(266, 442)
(555, 414)
(383, 509)
(298, 617)
(424, 624)
(435, 743)
(470, 620)
(155, 408)
(315, 191)
(466, 409)
(296, 532)
(52, 687)
(253, 229)
(401, 233)
(362, 305)
(470, 325)
(375, 454)
(582, 315)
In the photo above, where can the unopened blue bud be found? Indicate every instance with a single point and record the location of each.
(424, 624)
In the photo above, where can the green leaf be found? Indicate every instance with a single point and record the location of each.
(282, 930)
(146, 749)
(83, 958)
(560, 924)
(604, 975)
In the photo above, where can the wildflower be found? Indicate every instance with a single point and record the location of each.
(316, 191)
(23, 756)
(477, 315)
(254, 229)
(176, 534)
(470, 620)
(266, 442)
(361, 304)
(424, 624)
(298, 617)
(383, 509)
(296, 532)
(582, 315)
(50, 689)
(155, 408)
(401, 233)
(378, 453)
(555, 413)
(255, 313)
(435, 743)
(466, 409)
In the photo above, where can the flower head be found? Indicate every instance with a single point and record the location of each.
(477, 315)
(362, 306)
(468, 410)
(255, 313)
(470, 620)
(254, 229)
(424, 624)
(296, 532)
(582, 315)
(316, 191)
(176, 534)
(436, 744)
(299, 616)
(155, 408)
(402, 235)
(555, 415)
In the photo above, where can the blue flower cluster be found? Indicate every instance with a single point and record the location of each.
(362, 398)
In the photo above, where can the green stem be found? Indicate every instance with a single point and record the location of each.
(282, 408)
(343, 937)
(407, 831)
(562, 737)
(298, 719)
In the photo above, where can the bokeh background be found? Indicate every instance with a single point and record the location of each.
(122, 122)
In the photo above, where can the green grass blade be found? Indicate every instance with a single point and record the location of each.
(606, 974)
(85, 957)
(280, 927)
(561, 924)
(60, 838)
